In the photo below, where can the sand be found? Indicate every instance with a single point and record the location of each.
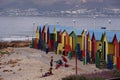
(31, 64)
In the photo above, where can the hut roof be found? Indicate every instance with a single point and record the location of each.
(118, 35)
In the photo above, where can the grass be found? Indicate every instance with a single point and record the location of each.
(95, 76)
(81, 77)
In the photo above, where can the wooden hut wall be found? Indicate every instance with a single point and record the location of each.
(52, 41)
(116, 46)
(71, 42)
(63, 38)
(55, 34)
(105, 47)
(89, 44)
(37, 33)
(111, 49)
(80, 40)
(46, 35)
(119, 49)
(43, 34)
(83, 41)
(67, 40)
(93, 49)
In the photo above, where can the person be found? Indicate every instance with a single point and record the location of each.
(51, 62)
(48, 73)
(58, 63)
(64, 61)
(47, 49)
(69, 55)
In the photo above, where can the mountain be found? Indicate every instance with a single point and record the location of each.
(56, 5)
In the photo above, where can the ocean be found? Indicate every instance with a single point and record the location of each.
(22, 28)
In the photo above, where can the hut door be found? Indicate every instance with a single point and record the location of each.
(73, 42)
(104, 50)
(44, 37)
(64, 41)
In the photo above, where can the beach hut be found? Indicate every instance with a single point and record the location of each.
(68, 47)
(63, 39)
(111, 54)
(118, 46)
(43, 38)
(78, 33)
(37, 32)
(108, 49)
(58, 37)
(40, 39)
(94, 50)
(115, 49)
(83, 42)
(96, 43)
(60, 46)
(118, 39)
(51, 37)
(36, 40)
(104, 47)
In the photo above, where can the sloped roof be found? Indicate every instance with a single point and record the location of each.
(118, 35)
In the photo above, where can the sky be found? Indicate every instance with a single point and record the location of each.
(51, 3)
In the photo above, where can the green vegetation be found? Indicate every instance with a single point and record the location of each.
(81, 77)
(4, 52)
(95, 76)
(117, 73)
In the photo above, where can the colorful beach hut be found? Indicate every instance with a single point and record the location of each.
(118, 55)
(40, 38)
(96, 43)
(51, 37)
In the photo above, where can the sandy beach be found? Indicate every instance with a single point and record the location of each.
(31, 64)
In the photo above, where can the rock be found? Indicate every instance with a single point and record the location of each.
(1, 79)
(12, 61)
(5, 70)
(19, 69)
(13, 72)
(13, 65)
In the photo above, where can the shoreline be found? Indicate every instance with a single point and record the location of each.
(5, 44)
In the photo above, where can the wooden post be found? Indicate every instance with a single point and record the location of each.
(76, 63)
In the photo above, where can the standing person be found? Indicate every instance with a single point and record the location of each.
(64, 60)
(47, 49)
(51, 62)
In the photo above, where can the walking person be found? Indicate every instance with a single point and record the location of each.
(64, 60)
(51, 62)
(47, 49)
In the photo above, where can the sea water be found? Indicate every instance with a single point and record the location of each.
(23, 28)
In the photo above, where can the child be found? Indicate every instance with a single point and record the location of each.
(48, 73)
(51, 62)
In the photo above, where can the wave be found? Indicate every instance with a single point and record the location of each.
(16, 38)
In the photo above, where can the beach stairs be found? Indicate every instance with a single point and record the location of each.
(102, 64)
